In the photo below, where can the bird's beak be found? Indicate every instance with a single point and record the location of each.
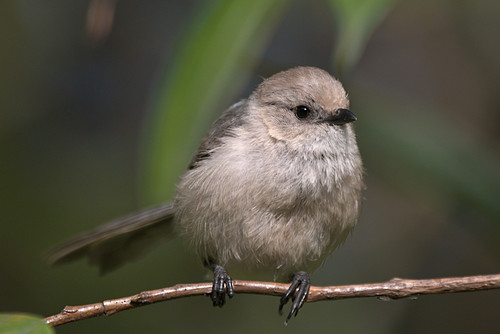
(341, 117)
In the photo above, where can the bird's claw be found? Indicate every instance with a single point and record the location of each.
(222, 285)
(301, 281)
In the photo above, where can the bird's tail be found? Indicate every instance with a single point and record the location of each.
(119, 241)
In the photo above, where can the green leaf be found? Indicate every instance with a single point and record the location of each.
(224, 38)
(17, 323)
(357, 20)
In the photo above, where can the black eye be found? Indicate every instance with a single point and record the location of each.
(302, 112)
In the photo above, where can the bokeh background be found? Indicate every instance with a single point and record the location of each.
(103, 102)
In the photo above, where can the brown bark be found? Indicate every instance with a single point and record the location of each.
(393, 289)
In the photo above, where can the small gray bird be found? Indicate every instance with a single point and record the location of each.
(275, 186)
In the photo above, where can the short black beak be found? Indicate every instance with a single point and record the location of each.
(341, 117)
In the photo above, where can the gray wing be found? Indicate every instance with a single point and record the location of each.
(118, 241)
(126, 238)
(223, 127)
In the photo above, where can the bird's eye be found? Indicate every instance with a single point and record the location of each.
(302, 112)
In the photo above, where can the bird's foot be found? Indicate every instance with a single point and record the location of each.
(302, 282)
(222, 285)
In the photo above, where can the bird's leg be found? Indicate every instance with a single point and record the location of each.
(222, 285)
(302, 282)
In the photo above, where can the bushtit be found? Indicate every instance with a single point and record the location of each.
(275, 186)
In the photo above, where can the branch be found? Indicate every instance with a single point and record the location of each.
(394, 289)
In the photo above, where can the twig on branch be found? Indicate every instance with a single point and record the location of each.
(394, 289)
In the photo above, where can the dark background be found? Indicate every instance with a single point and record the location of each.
(73, 106)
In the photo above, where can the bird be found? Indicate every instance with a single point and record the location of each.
(275, 187)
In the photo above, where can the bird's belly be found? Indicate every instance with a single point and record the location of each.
(258, 220)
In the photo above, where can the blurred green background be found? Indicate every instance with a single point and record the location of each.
(102, 103)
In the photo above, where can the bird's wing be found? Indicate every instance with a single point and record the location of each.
(124, 239)
(223, 127)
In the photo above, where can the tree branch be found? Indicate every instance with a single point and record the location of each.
(394, 289)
